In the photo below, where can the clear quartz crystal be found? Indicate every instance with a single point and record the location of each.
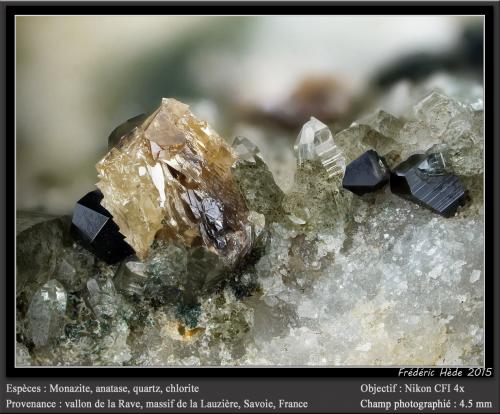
(102, 298)
(245, 149)
(315, 142)
(131, 278)
(385, 123)
(46, 313)
(438, 110)
(434, 164)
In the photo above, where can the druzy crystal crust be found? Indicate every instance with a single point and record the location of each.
(170, 178)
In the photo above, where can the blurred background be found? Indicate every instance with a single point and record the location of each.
(78, 77)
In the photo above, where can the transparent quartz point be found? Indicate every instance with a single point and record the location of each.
(315, 142)
(245, 149)
(434, 164)
(46, 313)
(131, 278)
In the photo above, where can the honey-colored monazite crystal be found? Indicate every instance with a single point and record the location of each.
(170, 178)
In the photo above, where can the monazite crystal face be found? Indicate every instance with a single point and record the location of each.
(170, 178)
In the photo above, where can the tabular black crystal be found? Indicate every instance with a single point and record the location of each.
(123, 129)
(366, 174)
(423, 179)
(93, 225)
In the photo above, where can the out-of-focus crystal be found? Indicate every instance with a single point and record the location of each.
(170, 178)
(245, 149)
(462, 141)
(437, 111)
(22, 355)
(39, 241)
(315, 142)
(385, 123)
(46, 313)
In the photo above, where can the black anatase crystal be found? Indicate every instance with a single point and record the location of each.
(94, 227)
(366, 174)
(123, 129)
(423, 179)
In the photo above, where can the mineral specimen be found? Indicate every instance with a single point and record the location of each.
(366, 174)
(328, 279)
(46, 313)
(93, 225)
(170, 178)
(423, 179)
(315, 142)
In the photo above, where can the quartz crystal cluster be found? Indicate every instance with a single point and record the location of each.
(217, 265)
